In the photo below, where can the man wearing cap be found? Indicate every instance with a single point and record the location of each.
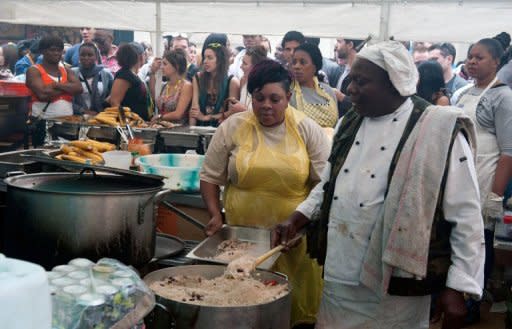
(396, 216)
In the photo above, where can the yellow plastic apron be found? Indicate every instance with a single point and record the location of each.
(272, 181)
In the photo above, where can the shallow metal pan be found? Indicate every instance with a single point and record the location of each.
(207, 249)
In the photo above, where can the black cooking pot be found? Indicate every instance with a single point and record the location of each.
(54, 217)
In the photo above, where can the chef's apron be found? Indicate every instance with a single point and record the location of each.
(488, 152)
(272, 181)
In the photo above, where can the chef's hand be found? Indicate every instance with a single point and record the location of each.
(452, 305)
(213, 225)
(284, 232)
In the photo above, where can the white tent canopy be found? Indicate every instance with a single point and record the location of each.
(441, 20)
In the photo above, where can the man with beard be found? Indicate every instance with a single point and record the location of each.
(346, 51)
(399, 211)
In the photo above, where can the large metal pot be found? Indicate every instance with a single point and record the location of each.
(275, 314)
(54, 217)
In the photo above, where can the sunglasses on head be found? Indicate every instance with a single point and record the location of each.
(179, 35)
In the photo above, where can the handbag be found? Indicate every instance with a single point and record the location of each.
(36, 127)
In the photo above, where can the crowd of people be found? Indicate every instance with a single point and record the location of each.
(395, 160)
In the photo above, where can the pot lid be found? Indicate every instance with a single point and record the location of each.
(75, 165)
(86, 182)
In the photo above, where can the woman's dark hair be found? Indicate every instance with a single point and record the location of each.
(221, 38)
(127, 56)
(50, 41)
(431, 80)
(257, 54)
(503, 38)
(178, 59)
(221, 70)
(268, 71)
(314, 52)
(92, 46)
(495, 49)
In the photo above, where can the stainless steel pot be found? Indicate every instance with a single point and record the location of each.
(275, 314)
(54, 217)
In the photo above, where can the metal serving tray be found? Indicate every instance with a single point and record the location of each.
(207, 249)
(188, 136)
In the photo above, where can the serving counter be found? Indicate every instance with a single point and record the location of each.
(13, 115)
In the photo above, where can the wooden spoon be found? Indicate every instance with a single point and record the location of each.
(243, 266)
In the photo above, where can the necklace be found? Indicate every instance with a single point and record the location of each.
(172, 89)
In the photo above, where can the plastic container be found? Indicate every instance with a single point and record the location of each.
(13, 88)
(181, 170)
(118, 159)
(24, 295)
(503, 229)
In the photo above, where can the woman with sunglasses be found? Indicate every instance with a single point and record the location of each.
(212, 87)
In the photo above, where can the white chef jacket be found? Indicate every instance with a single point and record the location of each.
(359, 199)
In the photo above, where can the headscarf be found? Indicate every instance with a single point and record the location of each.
(392, 57)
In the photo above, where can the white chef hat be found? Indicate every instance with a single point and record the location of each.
(396, 60)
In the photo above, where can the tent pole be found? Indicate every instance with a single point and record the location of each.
(158, 25)
(385, 12)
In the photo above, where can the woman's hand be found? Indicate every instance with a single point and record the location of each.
(235, 106)
(198, 115)
(194, 113)
(213, 225)
(155, 66)
(156, 118)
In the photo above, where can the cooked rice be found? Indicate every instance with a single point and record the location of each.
(241, 267)
(232, 249)
(219, 291)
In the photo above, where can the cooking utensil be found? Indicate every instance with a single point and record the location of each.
(167, 245)
(185, 216)
(260, 238)
(122, 116)
(79, 166)
(54, 217)
(130, 132)
(244, 265)
(275, 250)
(275, 314)
(122, 134)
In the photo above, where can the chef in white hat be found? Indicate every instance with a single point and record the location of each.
(396, 216)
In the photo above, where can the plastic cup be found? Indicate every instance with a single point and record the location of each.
(118, 159)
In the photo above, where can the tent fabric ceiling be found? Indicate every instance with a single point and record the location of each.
(434, 20)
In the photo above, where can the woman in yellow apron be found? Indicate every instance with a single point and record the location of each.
(316, 99)
(268, 160)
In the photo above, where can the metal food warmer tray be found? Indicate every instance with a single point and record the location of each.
(193, 137)
(79, 127)
(207, 249)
